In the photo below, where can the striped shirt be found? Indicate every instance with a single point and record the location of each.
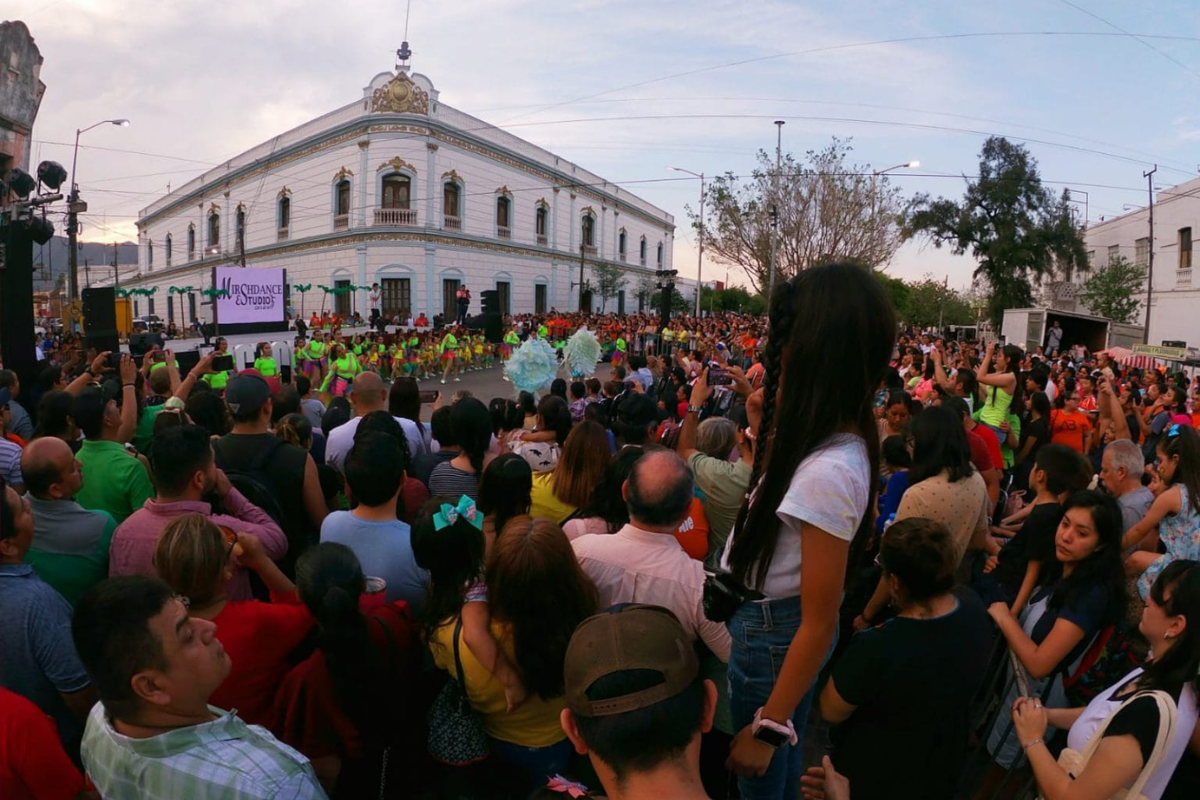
(450, 480)
(10, 463)
(225, 759)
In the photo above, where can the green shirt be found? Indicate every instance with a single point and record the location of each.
(621, 345)
(113, 480)
(266, 367)
(70, 546)
(145, 429)
(724, 484)
(217, 380)
(449, 343)
(512, 338)
(225, 759)
(543, 331)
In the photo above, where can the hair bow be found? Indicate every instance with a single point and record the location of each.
(570, 788)
(1173, 430)
(450, 514)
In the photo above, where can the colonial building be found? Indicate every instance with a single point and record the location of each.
(1175, 298)
(399, 189)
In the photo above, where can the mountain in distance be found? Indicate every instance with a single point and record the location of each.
(50, 264)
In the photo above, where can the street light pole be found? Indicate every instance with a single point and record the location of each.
(775, 208)
(75, 206)
(877, 173)
(699, 233)
(1149, 176)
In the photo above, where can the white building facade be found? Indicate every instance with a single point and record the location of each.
(401, 190)
(1175, 296)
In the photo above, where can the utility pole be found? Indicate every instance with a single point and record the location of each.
(1149, 176)
(942, 303)
(582, 253)
(775, 208)
(116, 272)
(700, 257)
(87, 276)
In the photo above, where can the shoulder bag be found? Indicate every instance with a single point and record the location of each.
(1074, 762)
(456, 734)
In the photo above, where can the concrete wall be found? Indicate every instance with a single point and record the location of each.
(21, 91)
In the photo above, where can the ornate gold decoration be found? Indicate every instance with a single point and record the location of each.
(504, 191)
(431, 146)
(343, 173)
(364, 143)
(214, 207)
(396, 164)
(586, 210)
(452, 176)
(284, 192)
(542, 204)
(400, 96)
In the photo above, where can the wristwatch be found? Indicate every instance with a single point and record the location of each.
(691, 409)
(770, 732)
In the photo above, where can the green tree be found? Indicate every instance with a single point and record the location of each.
(931, 302)
(1014, 227)
(678, 303)
(609, 280)
(731, 298)
(1115, 291)
(898, 290)
(829, 209)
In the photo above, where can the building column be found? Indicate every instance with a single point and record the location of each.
(361, 280)
(432, 196)
(552, 300)
(227, 233)
(603, 228)
(364, 178)
(431, 306)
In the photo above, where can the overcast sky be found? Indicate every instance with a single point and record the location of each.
(203, 81)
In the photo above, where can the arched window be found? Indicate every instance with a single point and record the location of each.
(397, 191)
(503, 217)
(660, 255)
(191, 239)
(539, 224)
(642, 251)
(588, 230)
(214, 229)
(150, 254)
(285, 216)
(621, 244)
(452, 205)
(343, 198)
(240, 227)
(168, 249)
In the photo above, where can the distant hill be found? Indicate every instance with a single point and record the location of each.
(50, 260)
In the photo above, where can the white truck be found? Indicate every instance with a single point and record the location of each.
(1028, 328)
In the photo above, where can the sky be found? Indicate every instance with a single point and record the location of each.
(1096, 89)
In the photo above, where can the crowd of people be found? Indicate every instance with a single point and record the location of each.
(807, 553)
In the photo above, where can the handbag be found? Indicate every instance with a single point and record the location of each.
(1075, 762)
(456, 734)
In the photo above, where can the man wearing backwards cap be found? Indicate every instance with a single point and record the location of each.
(636, 704)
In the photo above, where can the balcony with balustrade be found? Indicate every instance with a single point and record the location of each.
(1183, 278)
(396, 216)
(341, 222)
(451, 223)
(503, 232)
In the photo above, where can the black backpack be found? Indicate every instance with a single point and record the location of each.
(253, 482)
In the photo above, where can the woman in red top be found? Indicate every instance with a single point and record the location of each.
(196, 558)
(360, 691)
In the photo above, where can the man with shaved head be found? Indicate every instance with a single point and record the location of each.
(368, 393)
(70, 543)
(644, 562)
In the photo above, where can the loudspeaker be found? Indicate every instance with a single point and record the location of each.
(100, 319)
(491, 324)
(491, 301)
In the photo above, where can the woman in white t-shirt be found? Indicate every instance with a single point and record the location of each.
(832, 329)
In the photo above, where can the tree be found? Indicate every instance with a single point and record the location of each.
(829, 209)
(1016, 228)
(610, 279)
(731, 298)
(931, 303)
(1115, 291)
(678, 303)
(899, 292)
(646, 287)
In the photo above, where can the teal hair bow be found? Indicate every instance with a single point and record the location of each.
(448, 515)
(1173, 430)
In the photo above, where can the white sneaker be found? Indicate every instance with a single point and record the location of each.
(456, 380)
(443, 381)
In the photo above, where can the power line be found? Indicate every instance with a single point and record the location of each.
(1136, 37)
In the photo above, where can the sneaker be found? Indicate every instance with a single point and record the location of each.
(443, 381)
(456, 380)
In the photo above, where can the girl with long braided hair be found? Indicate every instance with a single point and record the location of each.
(831, 334)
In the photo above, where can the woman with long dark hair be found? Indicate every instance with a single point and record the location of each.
(352, 698)
(559, 492)
(404, 402)
(1078, 592)
(814, 477)
(472, 426)
(1002, 388)
(543, 446)
(606, 510)
(1169, 625)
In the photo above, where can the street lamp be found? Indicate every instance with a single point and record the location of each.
(877, 173)
(1086, 200)
(700, 232)
(74, 206)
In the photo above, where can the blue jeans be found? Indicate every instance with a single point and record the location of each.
(761, 632)
(536, 765)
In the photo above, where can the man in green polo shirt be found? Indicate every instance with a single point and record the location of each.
(115, 480)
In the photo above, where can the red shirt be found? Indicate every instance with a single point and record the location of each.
(413, 494)
(308, 714)
(33, 765)
(259, 637)
(981, 452)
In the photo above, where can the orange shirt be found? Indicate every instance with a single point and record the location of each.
(1069, 429)
(693, 531)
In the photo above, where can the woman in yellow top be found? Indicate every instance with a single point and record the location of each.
(343, 366)
(536, 594)
(1002, 388)
(449, 352)
(558, 493)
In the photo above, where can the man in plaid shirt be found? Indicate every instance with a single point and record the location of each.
(153, 735)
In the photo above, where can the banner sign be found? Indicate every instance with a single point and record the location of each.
(1168, 353)
(255, 295)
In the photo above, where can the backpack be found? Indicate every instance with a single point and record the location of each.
(252, 480)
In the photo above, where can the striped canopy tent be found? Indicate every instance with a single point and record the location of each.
(1127, 358)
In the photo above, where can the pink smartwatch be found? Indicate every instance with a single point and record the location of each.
(770, 732)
